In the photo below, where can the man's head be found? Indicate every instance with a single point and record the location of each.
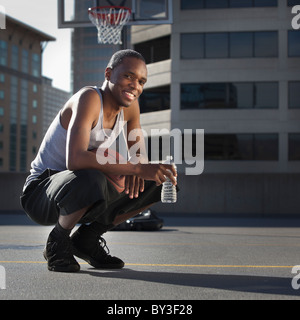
(126, 75)
(119, 56)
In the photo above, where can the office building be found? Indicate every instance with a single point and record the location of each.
(231, 68)
(21, 94)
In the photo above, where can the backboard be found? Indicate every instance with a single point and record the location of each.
(74, 13)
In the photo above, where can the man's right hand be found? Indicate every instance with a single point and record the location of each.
(157, 172)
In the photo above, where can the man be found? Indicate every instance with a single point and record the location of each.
(67, 184)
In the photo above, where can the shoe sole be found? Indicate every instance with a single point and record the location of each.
(96, 264)
(69, 269)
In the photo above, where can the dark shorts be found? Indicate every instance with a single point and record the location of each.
(56, 193)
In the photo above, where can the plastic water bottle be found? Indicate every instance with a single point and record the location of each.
(168, 191)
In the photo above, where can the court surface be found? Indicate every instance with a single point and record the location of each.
(189, 259)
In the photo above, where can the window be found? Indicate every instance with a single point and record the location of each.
(155, 99)
(216, 45)
(2, 77)
(294, 147)
(292, 3)
(216, 4)
(266, 95)
(241, 147)
(3, 53)
(155, 50)
(294, 95)
(266, 44)
(241, 44)
(15, 57)
(2, 94)
(1, 111)
(294, 43)
(241, 95)
(24, 66)
(229, 45)
(35, 65)
(219, 4)
(195, 41)
(241, 3)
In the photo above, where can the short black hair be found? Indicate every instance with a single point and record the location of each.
(119, 56)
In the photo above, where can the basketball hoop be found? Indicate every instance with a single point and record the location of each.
(109, 22)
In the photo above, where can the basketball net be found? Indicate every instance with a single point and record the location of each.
(109, 22)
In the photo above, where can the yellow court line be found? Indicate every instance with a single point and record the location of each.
(169, 265)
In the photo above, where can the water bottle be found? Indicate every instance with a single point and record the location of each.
(168, 191)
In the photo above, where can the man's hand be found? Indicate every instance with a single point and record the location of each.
(157, 172)
(133, 186)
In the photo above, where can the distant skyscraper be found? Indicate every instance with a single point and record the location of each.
(21, 107)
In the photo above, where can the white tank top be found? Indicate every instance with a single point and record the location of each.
(52, 152)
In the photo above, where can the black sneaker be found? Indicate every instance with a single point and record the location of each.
(89, 246)
(58, 253)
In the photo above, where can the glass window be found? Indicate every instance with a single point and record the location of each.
(247, 147)
(216, 45)
(2, 77)
(240, 3)
(192, 46)
(217, 4)
(265, 3)
(155, 50)
(192, 4)
(35, 65)
(241, 44)
(2, 94)
(294, 147)
(155, 99)
(292, 3)
(266, 95)
(1, 111)
(243, 95)
(15, 57)
(266, 147)
(215, 95)
(192, 96)
(294, 43)
(294, 95)
(266, 44)
(25, 64)
(3, 53)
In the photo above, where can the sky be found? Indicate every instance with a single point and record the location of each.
(42, 15)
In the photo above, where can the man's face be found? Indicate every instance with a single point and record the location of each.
(127, 80)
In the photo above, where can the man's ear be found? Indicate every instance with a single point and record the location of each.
(108, 73)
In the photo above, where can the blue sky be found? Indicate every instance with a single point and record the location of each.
(42, 15)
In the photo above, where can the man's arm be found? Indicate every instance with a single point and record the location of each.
(85, 113)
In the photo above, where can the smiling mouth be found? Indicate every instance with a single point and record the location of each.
(129, 95)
